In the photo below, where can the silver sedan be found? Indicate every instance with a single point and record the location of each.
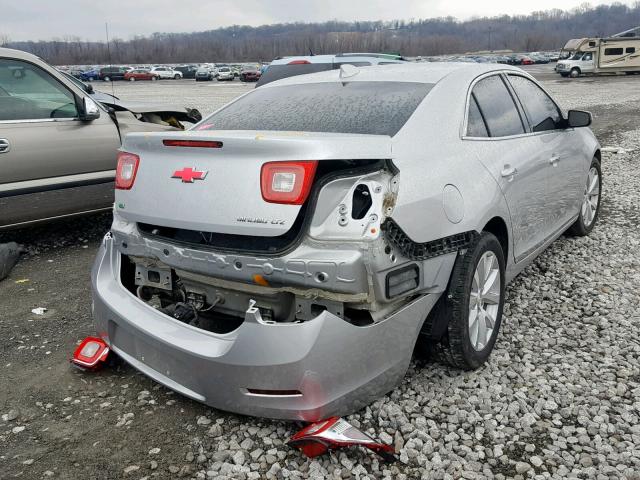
(284, 256)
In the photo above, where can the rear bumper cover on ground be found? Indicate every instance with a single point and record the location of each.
(336, 366)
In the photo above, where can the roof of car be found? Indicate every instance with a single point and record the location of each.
(10, 52)
(402, 72)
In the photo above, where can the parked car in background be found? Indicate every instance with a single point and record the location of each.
(134, 75)
(166, 72)
(225, 74)
(250, 75)
(111, 74)
(204, 74)
(188, 71)
(291, 66)
(291, 275)
(58, 142)
(90, 74)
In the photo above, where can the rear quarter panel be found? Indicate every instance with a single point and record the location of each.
(430, 155)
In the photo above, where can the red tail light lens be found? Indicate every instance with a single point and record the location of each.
(287, 182)
(299, 62)
(126, 170)
(91, 353)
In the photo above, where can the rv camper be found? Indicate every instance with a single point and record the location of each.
(619, 53)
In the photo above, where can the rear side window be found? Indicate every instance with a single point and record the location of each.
(630, 50)
(376, 108)
(613, 51)
(475, 123)
(497, 107)
(541, 111)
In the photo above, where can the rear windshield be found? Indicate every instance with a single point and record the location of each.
(376, 108)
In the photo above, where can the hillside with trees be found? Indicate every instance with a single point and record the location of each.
(545, 30)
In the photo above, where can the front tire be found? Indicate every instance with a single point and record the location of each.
(473, 304)
(590, 206)
(575, 73)
(132, 79)
(107, 79)
(176, 77)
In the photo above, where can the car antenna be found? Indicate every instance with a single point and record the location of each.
(106, 29)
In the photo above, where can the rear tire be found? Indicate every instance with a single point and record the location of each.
(107, 79)
(473, 304)
(575, 73)
(132, 79)
(590, 206)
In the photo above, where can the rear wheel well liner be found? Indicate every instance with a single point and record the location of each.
(498, 227)
(598, 154)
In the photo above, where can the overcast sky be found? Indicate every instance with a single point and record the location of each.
(47, 19)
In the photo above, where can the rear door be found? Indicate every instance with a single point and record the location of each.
(52, 163)
(561, 148)
(509, 153)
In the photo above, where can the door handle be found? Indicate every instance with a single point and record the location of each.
(553, 160)
(508, 171)
(5, 146)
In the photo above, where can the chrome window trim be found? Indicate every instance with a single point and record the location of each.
(39, 120)
(463, 132)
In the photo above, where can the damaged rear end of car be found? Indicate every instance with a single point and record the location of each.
(258, 270)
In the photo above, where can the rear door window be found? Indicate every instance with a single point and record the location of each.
(376, 108)
(497, 107)
(542, 113)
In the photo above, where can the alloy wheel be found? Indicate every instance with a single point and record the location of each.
(484, 301)
(591, 197)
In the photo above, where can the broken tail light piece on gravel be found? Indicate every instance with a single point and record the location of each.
(91, 354)
(333, 433)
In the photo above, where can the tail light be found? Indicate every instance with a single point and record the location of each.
(91, 353)
(126, 170)
(287, 182)
(334, 433)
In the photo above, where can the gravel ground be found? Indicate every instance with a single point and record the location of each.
(558, 398)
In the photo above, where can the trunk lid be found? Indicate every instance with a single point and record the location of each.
(228, 198)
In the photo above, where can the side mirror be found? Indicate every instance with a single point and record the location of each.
(578, 118)
(89, 88)
(89, 110)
